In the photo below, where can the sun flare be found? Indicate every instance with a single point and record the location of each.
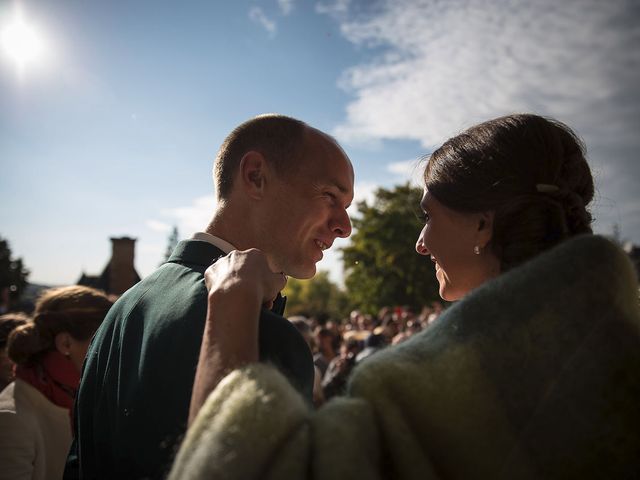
(22, 43)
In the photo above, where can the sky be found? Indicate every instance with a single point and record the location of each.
(110, 128)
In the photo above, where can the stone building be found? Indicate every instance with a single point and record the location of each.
(119, 275)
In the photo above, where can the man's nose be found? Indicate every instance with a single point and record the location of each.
(342, 225)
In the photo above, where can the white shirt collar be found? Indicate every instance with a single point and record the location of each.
(223, 245)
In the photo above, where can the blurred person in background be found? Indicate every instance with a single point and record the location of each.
(335, 379)
(325, 343)
(8, 322)
(302, 323)
(35, 409)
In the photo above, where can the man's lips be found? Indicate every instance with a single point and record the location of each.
(322, 245)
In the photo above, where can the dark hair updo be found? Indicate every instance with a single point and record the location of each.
(76, 310)
(529, 170)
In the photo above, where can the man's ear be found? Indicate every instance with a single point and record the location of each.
(485, 228)
(253, 170)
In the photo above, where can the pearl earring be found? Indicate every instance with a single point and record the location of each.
(476, 250)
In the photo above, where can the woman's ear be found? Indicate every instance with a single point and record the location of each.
(252, 171)
(485, 228)
(63, 343)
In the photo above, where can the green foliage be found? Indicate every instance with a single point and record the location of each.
(381, 265)
(318, 297)
(13, 274)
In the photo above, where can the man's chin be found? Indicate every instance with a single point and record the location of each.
(302, 273)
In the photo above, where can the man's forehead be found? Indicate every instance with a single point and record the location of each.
(334, 159)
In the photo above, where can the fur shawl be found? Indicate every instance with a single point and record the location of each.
(536, 374)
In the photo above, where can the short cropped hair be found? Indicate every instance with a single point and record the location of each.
(280, 139)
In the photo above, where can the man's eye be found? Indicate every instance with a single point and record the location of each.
(424, 216)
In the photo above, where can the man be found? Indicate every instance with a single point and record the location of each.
(282, 187)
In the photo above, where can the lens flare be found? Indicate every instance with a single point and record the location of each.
(21, 42)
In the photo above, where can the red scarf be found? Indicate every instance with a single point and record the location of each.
(54, 376)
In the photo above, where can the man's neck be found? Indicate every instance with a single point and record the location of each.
(225, 225)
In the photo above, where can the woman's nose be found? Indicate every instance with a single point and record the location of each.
(420, 248)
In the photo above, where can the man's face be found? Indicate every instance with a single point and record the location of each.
(307, 211)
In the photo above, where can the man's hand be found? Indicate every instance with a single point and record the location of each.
(244, 274)
(239, 285)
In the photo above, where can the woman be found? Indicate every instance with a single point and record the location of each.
(35, 410)
(498, 195)
(532, 374)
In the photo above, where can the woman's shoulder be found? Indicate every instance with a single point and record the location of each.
(24, 401)
(17, 412)
(7, 398)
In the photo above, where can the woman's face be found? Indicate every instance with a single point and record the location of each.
(449, 238)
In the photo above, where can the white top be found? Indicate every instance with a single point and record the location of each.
(223, 245)
(35, 434)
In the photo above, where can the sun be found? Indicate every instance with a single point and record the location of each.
(21, 42)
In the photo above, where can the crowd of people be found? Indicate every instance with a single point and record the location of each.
(194, 372)
(338, 345)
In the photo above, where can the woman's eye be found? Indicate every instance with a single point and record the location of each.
(424, 216)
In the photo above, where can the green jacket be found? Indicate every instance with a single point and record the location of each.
(536, 374)
(133, 402)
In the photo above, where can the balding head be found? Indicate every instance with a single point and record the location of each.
(280, 140)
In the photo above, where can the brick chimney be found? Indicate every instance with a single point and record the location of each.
(122, 274)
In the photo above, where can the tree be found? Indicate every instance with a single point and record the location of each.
(173, 240)
(382, 267)
(318, 297)
(13, 276)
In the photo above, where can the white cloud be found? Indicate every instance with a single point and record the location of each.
(158, 226)
(446, 65)
(408, 171)
(363, 191)
(435, 68)
(193, 218)
(286, 6)
(257, 15)
(337, 9)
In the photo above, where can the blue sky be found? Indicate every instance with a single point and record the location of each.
(113, 130)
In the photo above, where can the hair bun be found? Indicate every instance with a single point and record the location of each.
(578, 217)
(24, 343)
